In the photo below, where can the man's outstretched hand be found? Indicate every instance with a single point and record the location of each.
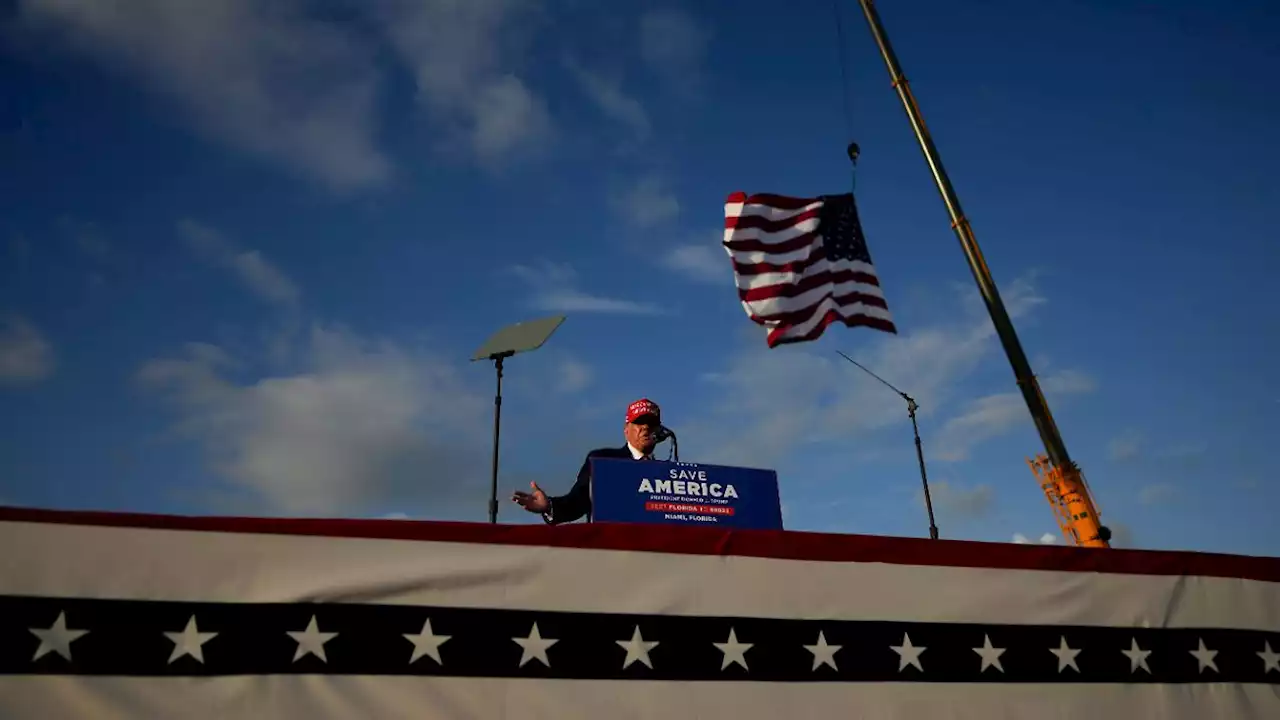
(535, 501)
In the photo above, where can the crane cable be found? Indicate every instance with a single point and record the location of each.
(846, 95)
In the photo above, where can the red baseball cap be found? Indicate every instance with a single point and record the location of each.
(642, 407)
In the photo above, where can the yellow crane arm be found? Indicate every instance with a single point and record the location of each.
(1073, 506)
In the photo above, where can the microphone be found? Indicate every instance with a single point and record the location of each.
(662, 433)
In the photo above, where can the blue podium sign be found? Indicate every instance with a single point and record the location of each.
(670, 493)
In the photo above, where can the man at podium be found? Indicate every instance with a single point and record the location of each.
(644, 418)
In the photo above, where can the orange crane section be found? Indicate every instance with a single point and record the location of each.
(1072, 503)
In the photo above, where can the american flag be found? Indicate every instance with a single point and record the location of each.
(801, 264)
(147, 616)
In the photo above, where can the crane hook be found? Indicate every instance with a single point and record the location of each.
(853, 151)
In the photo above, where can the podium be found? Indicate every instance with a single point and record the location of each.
(668, 493)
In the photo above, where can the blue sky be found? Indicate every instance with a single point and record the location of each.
(248, 247)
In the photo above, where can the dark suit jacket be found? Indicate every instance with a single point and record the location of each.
(577, 502)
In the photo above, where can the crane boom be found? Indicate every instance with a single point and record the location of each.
(1072, 503)
(1065, 485)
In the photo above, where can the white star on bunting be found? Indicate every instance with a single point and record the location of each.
(734, 651)
(189, 642)
(1066, 656)
(637, 649)
(56, 638)
(990, 655)
(1270, 659)
(823, 654)
(311, 641)
(1204, 656)
(426, 643)
(908, 654)
(1137, 657)
(534, 647)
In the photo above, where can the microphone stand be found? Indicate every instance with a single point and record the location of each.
(665, 433)
(915, 429)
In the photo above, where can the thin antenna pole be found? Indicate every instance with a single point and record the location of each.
(1026, 379)
(912, 407)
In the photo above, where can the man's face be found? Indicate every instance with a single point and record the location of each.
(642, 433)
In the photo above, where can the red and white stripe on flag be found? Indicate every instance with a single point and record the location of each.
(124, 616)
(787, 280)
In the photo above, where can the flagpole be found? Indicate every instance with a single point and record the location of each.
(1026, 379)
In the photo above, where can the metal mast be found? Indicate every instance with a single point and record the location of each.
(1026, 379)
(912, 407)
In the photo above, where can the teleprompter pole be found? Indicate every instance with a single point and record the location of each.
(1026, 379)
(506, 342)
(497, 428)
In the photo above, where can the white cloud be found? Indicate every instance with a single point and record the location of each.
(574, 375)
(257, 274)
(283, 81)
(329, 421)
(646, 202)
(26, 357)
(994, 415)
(264, 278)
(1068, 382)
(462, 58)
(1156, 493)
(570, 300)
(506, 118)
(1121, 535)
(264, 78)
(1021, 297)
(1045, 539)
(360, 423)
(555, 289)
(804, 394)
(673, 44)
(607, 94)
(961, 502)
(1123, 448)
(1130, 445)
(982, 419)
(704, 261)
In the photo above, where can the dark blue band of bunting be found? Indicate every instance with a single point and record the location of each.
(133, 638)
